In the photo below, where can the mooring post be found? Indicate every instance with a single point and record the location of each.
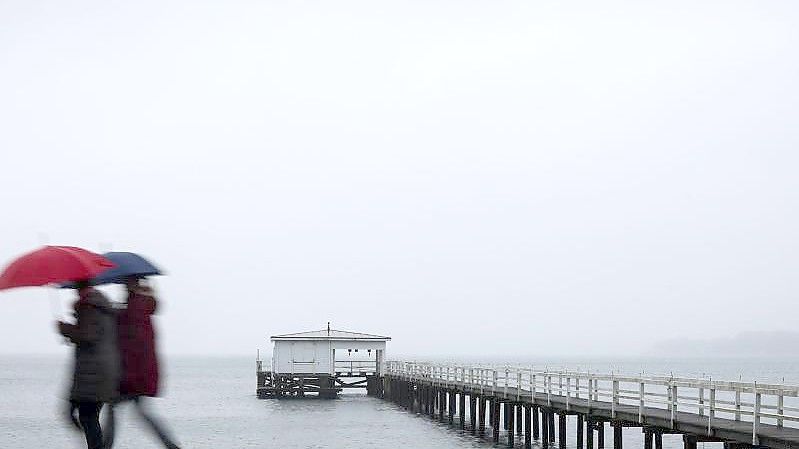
(528, 437)
(617, 433)
(535, 422)
(562, 431)
(509, 407)
(544, 429)
(580, 427)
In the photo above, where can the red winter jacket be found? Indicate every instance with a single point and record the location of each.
(137, 345)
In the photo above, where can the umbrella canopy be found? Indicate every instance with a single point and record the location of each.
(53, 264)
(127, 265)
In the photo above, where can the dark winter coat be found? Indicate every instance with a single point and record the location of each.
(137, 345)
(96, 373)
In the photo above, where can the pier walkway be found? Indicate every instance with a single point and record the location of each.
(525, 402)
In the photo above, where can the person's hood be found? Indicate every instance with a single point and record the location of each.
(95, 298)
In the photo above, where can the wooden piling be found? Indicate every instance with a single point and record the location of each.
(510, 410)
(589, 434)
(689, 442)
(495, 428)
(600, 435)
(535, 422)
(580, 427)
(462, 409)
(551, 426)
(528, 437)
(658, 440)
(519, 415)
(481, 427)
(506, 412)
(617, 435)
(473, 412)
(562, 431)
(648, 437)
(544, 429)
(451, 406)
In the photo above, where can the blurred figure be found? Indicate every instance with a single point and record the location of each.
(139, 361)
(96, 374)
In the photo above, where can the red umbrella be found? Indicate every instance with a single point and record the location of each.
(53, 264)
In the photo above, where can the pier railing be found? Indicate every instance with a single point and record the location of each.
(753, 402)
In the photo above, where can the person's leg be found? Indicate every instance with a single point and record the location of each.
(89, 416)
(154, 424)
(109, 425)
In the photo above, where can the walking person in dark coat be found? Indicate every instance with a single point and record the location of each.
(139, 361)
(96, 372)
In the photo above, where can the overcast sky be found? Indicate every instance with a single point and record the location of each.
(468, 177)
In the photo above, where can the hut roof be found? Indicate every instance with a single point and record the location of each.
(331, 334)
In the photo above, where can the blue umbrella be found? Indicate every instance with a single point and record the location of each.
(127, 265)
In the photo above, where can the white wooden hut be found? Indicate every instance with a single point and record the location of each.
(322, 362)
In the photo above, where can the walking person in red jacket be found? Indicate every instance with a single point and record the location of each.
(138, 358)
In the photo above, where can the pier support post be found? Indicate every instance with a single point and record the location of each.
(617, 434)
(519, 416)
(562, 431)
(589, 434)
(658, 440)
(442, 404)
(473, 412)
(462, 409)
(510, 409)
(551, 427)
(481, 414)
(528, 437)
(689, 442)
(544, 429)
(535, 422)
(600, 435)
(451, 406)
(580, 427)
(648, 437)
(495, 408)
(506, 415)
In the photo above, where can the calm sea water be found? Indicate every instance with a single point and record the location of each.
(210, 403)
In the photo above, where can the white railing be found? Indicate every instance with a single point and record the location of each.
(755, 402)
(355, 366)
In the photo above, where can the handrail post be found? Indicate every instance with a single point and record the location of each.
(549, 388)
(675, 403)
(712, 413)
(519, 386)
(756, 417)
(737, 403)
(494, 385)
(615, 397)
(532, 386)
(590, 392)
(568, 392)
(780, 408)
(641, 396)
(577, 387)
(701, 401)
(505, 388)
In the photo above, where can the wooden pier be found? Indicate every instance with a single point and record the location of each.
(526, 403)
